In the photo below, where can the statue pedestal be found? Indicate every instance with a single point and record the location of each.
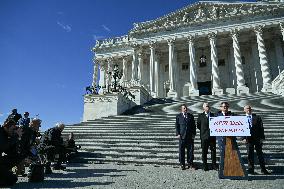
(266, 88)
(217, 91)
(172, 94)
(242, 90)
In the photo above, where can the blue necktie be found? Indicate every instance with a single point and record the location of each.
(249, 121)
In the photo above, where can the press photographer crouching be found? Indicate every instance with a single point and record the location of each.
(51, 144)
(10, 152)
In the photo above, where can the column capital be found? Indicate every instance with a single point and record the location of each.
(152, 44)
(171, 41)
(190, 38)
(258, 29)
(212, 35)
(281, 24)
(235, 31)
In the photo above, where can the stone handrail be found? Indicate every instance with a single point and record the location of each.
(278, 84)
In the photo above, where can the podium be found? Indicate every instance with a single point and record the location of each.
(231, 164)
(228, 127)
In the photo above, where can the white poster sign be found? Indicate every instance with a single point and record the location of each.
(229, 126)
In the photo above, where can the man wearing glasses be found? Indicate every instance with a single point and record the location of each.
(224, 111)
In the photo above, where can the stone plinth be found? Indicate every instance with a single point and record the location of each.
(141, 95)
(230, 91)
(98, 106)
(217, 91)
(242, 90)
(172, 94)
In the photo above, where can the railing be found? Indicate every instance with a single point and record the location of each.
(278, 84)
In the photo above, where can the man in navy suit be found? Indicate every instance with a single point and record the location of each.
(206, 140)
(185, 132)
(255, 140)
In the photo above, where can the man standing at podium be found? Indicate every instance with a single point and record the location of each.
(185, 132)
(255, 140)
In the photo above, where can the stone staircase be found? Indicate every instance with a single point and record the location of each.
(148, 135)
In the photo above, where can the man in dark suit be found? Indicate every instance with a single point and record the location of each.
(185, 132)
(206, 140)
(224, 111)
(255, 140)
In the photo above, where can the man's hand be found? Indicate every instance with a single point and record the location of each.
(178, 136)
(244, 141)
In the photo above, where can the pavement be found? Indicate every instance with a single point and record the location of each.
(121, 176)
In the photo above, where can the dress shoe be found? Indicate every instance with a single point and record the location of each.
(265, 172)
(59, 167)
(192, 167)
(182, 167)
(205, 168)
(215, 167)
(251, 171)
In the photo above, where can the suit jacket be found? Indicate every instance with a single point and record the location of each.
(203, 125)
(185, 127)
(256, 130)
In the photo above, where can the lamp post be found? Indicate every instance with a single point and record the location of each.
(116, 76)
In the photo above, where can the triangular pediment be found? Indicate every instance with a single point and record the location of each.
(208, 11)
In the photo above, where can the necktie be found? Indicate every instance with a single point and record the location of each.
(249, 120)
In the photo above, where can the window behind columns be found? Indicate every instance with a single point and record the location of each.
(184, 66)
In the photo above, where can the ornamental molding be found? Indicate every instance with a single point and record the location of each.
(206, 12)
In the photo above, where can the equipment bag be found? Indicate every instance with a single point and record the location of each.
(36, 173)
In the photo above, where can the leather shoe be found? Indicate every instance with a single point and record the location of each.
(265, 172)
(205, 168)
(215, 167)
(192, 167)
(251, 171)
(182, 167)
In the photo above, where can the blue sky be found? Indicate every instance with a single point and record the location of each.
(45, 50)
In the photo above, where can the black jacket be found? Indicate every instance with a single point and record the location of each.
(185, 127)
(203, 125)
(257, 130)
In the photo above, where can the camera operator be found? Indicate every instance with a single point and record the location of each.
(28, 140)
(10, 135)
(52, 144)
(14, 116)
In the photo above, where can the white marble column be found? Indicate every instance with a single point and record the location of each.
(192, 68)
(279, 54)
(263, 60)
(102, 80)
(216, 89)
(108, 74)
(241, 88)
(140, 67)
(152, 62)
(282, 29)
(172, 92)
(124, 71)
(95, 74)
(134, 66)
(156, 74)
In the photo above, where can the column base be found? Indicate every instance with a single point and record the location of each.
(194, 92)
(230, 91)
(172, 94)
(266, 88)
(217, 91)
(242, 90)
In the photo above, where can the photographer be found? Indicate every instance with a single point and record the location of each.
(9, 144)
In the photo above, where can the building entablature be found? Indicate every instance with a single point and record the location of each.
(205, 12)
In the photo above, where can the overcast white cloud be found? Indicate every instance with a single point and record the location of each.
(66, 27)
(106, 28)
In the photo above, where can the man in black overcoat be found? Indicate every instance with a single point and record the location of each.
(206, 140)
(185, 132)
(254, 141)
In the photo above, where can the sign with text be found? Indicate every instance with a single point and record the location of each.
(229, 126)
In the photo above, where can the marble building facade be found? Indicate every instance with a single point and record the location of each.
(242, 42)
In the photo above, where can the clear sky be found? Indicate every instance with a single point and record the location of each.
(45, 50)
